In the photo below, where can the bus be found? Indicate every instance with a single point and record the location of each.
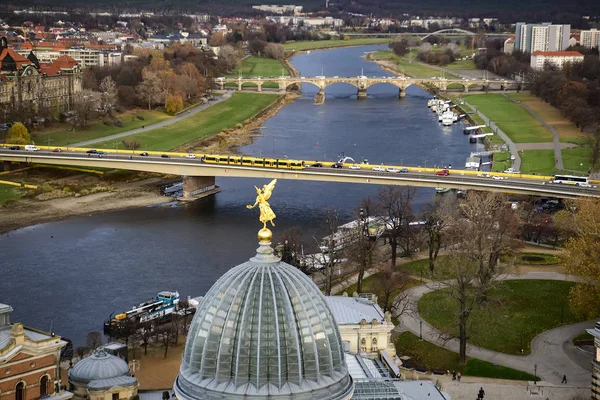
(571, 180)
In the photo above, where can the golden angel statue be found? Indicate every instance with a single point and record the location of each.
(266, 213)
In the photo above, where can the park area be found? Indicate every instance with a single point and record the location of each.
(223, 115)
(507, 326)
(408, 67)
(328, 44)
(259, 66)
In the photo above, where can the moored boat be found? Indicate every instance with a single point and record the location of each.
(153, 310)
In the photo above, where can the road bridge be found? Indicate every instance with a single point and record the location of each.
(200, 176)
(451, 32)
(362, 83)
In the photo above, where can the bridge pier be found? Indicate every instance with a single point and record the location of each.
(221, 85)
(361, 93)
(259, 87)
(320, 97)
(239, 86)
(195, 187)
(401, 92)
(466, 89)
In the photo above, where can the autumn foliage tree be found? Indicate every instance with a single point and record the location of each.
(173, 104)
(581, 220)
(18, 134)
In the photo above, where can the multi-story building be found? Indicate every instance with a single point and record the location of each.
(29, 362)
(595, 332)
(542, 37)
(590, 39)
(26, 83)
(557, 58)
(509, 45)
(85, 57)
(277, 9)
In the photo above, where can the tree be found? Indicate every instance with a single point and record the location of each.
(94, 340)
(144, 335)
(229, 55)
(81, 351)
(275, 51)
(67, 352)
(127, 96)
(86, 107)
(330, 248)
(360, 248)
(436, 219)
(581, 219)
(18, 134)
(108, 94)
(217, 39)
(151, 89)
(173, 104)
(131, 144)
(396, 205)
(392, 291)
(400, 48)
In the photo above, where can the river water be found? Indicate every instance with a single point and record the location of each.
(71, 275)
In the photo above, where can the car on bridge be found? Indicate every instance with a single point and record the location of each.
(57, 150)
(378, 169)
(316, 165)
(164, 156)
(337, 165)
(392, 169)
(144, 154)
(443, 172)
(192, 156)
(499, 178)
(92, 151)
(15, 148)
(354, 166)
(403, 170)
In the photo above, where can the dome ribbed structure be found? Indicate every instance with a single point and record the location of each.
(263, 330)
(100, 365)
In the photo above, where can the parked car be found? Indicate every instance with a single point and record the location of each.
(144, 154)
(164, 156)
(443, 172)
(15, 147)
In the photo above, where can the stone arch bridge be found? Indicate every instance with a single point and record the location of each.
(362, 83)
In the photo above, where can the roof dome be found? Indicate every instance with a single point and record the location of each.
(263, 330)
(100, 365)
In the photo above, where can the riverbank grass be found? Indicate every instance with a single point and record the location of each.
(328, 44)
(539, 162)
(519, 307)
(254, 66)
(407, 67)
(8, 193)
(226, 114)
(514, 120)
(426, 354)
(67, 134)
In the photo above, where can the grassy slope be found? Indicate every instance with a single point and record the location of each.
(499, 328)
(258, 66)
(514, 120)
(238, 108)
(540, 162)
(567, 131)
(426, 354)
(99, 129)
(412, 69)
(577, 159)
(325, 44)
(8, 192)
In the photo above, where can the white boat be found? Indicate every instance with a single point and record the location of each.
(442, 190)
(447, 121)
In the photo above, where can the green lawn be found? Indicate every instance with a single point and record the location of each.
(527, 307)
(577, 158)
(540, 162)
(226, 114)
(409, 67)
(99, 129)
(501, 161)
(461, 65)
(514, 120)
(325, 44)
(8, 192)
(259, 66)
(426, 354)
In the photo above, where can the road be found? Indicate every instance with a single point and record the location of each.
(181, 165)
(547, 349)
(173, 120)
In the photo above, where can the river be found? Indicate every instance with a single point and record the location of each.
(71, 275)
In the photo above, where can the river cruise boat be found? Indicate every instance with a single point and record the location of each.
(157, 309)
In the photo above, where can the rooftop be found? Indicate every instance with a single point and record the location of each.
(557, 53)
(351, 310)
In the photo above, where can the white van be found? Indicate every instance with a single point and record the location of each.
(30, 147)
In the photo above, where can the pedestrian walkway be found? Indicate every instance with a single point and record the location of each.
(546, 349)
(161, 124)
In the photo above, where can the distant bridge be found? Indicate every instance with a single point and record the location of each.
(362, 83)
(453, 32)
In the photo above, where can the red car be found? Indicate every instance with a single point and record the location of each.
(57, 150)
(443, 172)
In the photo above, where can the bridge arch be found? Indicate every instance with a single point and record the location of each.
(454, 31)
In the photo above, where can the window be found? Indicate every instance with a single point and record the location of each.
(44, 386)
(115, 396)
(20, 391)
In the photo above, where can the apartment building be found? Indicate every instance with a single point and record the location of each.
(542, 37)
(556, 58)
(85, 57)
(590, 39)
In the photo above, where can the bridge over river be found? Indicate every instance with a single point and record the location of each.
(362, 83)
(199, 177)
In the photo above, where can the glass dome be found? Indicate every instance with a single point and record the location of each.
(263, 330)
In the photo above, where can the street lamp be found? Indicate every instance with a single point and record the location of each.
(535, 374)
(420, 330)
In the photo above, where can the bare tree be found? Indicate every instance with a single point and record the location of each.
(131, 144)
(94, 340)
(436, 217)
(230, 57)
(151, 89)
(361, 248)
(86, 107)
(165, 333)
(144, 334)
(332, 244)
(392, 291)
(275, 51)
(395, 203)
(290, 246)
(108, 94)
(81, 351)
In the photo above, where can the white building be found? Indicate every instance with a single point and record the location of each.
(85, 57)
(276, 9)
(590, 39)
(542, 37)
(596, 362)
(556, 58)
(509, 45)
(363, 325)
(327, 21)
